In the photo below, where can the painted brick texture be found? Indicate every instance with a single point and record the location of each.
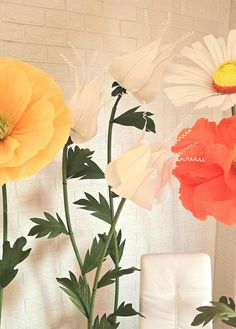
(41, 32)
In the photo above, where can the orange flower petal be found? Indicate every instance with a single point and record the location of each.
(7, 149)
(16, 92)
(62, 127)
(33, 132)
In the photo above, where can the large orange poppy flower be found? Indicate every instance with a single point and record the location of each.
(206, 169)
(34, 121)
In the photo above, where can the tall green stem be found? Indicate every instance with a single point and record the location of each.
(67, 210)
(5, 231)
(233, 110)
(109, 158)
(98, 272)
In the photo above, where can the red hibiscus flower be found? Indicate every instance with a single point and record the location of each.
(206, 169)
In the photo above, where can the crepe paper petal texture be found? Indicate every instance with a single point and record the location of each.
(85, 105)
(209, 78)
(206, 169)
(34, 121)
(141, 71)
(142, 174)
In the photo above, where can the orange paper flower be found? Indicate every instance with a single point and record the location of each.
(206, 169)
(34, 122)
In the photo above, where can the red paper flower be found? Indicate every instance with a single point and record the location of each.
(206, 169)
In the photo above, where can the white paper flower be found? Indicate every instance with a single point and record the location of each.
(142, 174)
(210, 80)
(85, 106)
(141, 71)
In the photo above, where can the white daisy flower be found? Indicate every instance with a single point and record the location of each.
(211, 79)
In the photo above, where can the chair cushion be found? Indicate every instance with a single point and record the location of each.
(172, 287)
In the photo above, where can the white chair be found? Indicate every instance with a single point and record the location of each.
(172, 287)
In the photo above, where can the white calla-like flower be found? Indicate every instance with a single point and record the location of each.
(141, 71)
(85, 105)
(142, 174)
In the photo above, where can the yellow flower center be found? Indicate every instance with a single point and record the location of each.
(224, 77)
(5, 128)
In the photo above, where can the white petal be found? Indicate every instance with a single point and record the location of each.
(228, 103)
(231, 45)
(200, 56)
(214, 49)
(211, 101)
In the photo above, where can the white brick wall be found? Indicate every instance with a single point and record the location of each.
(38, 31)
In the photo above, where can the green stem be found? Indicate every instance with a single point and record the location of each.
(109, 158)
(98, 272)
(233, 110)
(67, 210)
(5, 231)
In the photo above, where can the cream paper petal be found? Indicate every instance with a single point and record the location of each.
(137, 156)
(127, 173)
(151, 89)
(131, 183)
(122, 65)
(141, 74)
(111, 174)
(231, 45)
(85, 111)
(144, 196)
(152, 86)
(214, 49)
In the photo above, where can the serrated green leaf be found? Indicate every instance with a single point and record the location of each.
(93, 256)
(115, 84)
(92, 171)
(80, 164)
(50, 226)
(228, 301)
(119, 90)
(104, 323)
(99, 208)
(223, 310)
(121, 246)
(112, 275)
(126, 310)
(137, 119)
(11, 257)
(111, 248)
(78, 292)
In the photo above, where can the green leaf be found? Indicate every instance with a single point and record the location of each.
(93, 256)
(104, 323)
(11, 257)
(78, 292)
(92, 171)
(99, 208)
(230, 303)
(118, 90)
(136, 119)
(223, 310)
(112, 275)
(126, 310)
(50, 226)
(121, 246)
(80, 165)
